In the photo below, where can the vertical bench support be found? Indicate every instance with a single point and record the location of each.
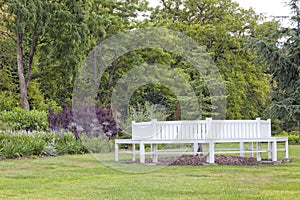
(242, 147)
(258, 154)
(251, 149)
(269, 151)
(154, 152)
(286, 144)
(211, 155)
(151, 151)
(274, 150)
(142, 152)
(133, 151)
(116, 152)
(195, 148)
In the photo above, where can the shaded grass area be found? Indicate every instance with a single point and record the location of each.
(84, 177)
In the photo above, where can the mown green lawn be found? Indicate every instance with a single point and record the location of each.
(84, 177)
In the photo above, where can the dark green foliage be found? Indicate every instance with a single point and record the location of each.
(276, 126)
(9, 94)
(281, 52)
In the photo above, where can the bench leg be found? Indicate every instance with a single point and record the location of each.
(133, 152)
(242, 147)
(274, 151)
(155, 156)
(258, 154)
(211, 155)
(286, 149)
(251, 149)
(195, 148)
(142, 152)
(269, 151)
(116, 152)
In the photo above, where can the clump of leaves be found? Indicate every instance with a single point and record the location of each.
(108, 123)
(20, 119)
(61, 120)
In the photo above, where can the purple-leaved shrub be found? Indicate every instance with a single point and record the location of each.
(90, 118)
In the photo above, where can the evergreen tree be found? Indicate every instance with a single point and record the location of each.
(282, 56)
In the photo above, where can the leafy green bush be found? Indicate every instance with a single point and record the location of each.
(8, 100)
(19, 119)
(293, 139)
(293, 136)
(49, 104)
(294, 133)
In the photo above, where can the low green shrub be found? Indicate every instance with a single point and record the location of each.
(14, 144)
(293, 139)
(34, 145)
(19, 119)
(294, 133)
(98, 145)
(11, 148)
(67, 144)
(293, 136)
(21, 145)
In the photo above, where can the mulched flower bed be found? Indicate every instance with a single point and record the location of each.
(219, 160)
(187, 160)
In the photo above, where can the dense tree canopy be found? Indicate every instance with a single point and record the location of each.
(221, 27)
(44, 43)
(52, 38)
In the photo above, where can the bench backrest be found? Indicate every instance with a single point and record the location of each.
(201, 129)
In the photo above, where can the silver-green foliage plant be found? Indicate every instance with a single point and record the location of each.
(148, 111)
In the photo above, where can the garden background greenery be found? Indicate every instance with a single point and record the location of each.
(44, 43)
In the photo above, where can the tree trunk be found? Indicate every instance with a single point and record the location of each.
(23, 87)
(110, 79)
(32, 52)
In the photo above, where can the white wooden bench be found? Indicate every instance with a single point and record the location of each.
(208, 132)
